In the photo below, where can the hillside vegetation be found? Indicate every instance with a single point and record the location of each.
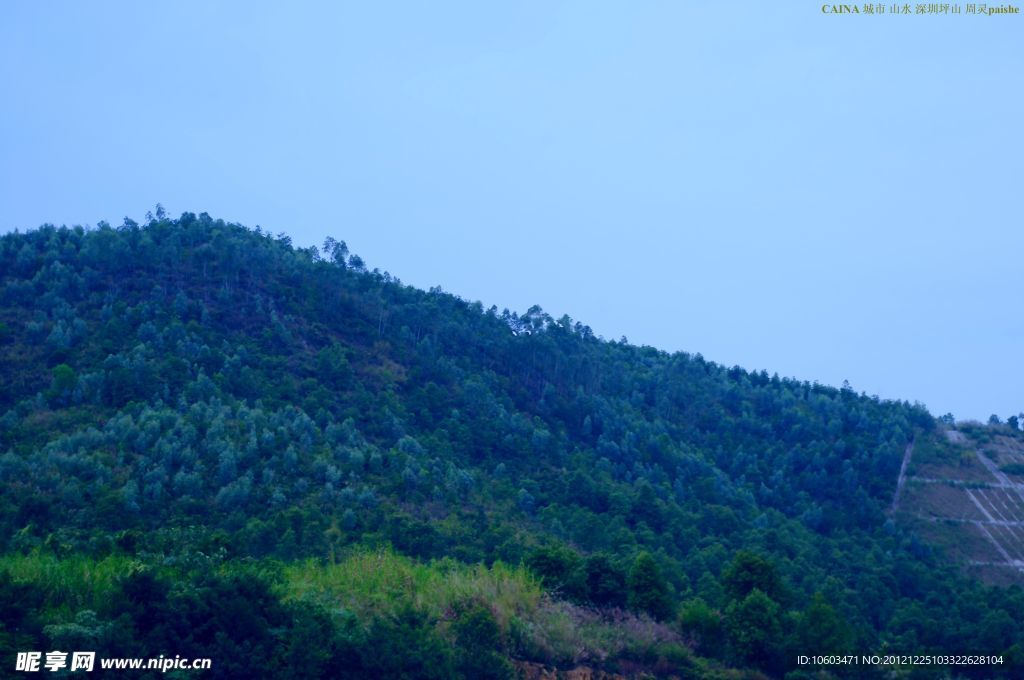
(213, 443)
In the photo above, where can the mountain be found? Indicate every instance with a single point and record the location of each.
(216, 444)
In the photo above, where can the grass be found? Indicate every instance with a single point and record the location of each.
(373, 583)
(69, 584)
(370, 583)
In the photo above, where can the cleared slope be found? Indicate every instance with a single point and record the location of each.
(966, 496)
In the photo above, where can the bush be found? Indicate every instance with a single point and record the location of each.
(406, 647)
(480, 644)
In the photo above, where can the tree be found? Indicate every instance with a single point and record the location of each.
(748, 572)
(821, 629)
(647, 588)
(755, 630)
(606, 582)
(406, 646)
(480, 645)
(560, 570)
(335, 251)
(333, 367)
(525, 501)
(63, 383)
(704, 624)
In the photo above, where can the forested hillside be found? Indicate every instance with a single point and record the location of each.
(201, 424)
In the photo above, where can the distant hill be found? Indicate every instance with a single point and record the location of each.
(192, 411)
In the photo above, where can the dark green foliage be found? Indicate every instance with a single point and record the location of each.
(317, 646)
(648, 591)
(20, 605)
(191, 387)
(704, 625)
(755, 630)
(406, 647)
(606, 581)
(480, 647)
(748, 572)
(230, 619)
(333, 368)
(561, 570)
(822, 629)
(63, 385)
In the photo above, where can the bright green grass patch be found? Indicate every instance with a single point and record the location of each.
(378, 582)
(69, 584)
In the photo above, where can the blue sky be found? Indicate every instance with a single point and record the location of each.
(828, 197)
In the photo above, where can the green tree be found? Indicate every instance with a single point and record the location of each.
(704, 624)
(749, 571)
(333, 367)
(63, 383)
(560, 570)
(606, 582)
(480, 646)
(406, 646)
(821, 629)
(755, 630)
(648, 590)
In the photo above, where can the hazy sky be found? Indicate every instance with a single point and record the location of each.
(829, 197)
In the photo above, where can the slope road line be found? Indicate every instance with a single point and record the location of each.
(903, 475)
(1000, 475)
(992, 539)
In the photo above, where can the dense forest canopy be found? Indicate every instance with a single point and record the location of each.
(212, 412)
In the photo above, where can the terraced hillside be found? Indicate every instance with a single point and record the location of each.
(965, 495)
